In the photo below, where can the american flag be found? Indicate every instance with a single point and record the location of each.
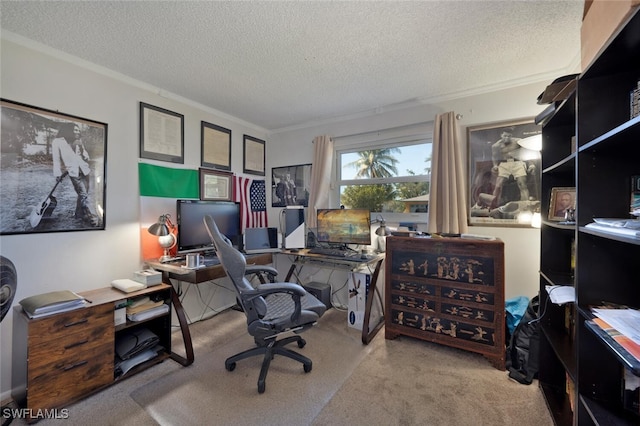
(252, 196)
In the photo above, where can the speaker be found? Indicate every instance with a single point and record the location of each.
(294, 229)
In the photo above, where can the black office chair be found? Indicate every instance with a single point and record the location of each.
(272, 309)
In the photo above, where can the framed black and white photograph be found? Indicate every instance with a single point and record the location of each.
(254, 156)
(290, 185)
(215, 146)
(161, 134)
(53, 171)
(215, 185)
(504, 172)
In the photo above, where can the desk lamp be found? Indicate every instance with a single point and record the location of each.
(163, 228)
(382, 233)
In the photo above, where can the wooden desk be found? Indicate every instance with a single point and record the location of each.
(194, 276)
(303, 257)
(176, 270)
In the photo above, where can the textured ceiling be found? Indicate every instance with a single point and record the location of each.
(283, 64)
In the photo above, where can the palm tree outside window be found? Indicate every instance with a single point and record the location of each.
(383, 178)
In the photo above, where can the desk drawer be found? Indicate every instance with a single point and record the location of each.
(60, 325)
(71, 349)
(65, 380)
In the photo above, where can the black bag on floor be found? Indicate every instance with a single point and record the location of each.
(523, 351)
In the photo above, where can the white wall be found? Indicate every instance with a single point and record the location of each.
(85, 260)
(90, 259)
(522, 245)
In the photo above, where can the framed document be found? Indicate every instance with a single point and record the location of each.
(215, 146)
(215, 185)
(253, 155)
(161, 134)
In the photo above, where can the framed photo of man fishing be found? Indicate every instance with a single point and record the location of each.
(53, 171)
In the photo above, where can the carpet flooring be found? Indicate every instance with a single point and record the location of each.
(388, 382)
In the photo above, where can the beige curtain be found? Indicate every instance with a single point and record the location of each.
(320, 177)
(447, 193)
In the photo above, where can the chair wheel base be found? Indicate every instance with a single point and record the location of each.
(307, 367)
(230, 366)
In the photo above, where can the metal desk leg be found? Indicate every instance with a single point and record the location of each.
(184, 327)
(367, 336)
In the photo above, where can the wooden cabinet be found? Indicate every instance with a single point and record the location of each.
(61, 358)
(582, 372)
(448, 291)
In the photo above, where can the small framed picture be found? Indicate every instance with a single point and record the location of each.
(253, 156)
(161, 134)
(562, 198)
(215, 185)
(215, 146)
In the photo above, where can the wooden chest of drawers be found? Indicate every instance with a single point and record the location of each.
(62, 358)
(449, 291)
(69, 355)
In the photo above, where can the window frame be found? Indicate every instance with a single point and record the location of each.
(380, 140)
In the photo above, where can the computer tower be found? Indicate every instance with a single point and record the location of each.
(322, 292)
(294, 235)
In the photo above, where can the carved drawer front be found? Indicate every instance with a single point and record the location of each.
(441, 327)
(463, 268)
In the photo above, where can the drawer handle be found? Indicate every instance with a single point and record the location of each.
(72, 366)
(82, 321)
(73, 345)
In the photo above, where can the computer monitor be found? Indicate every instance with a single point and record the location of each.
(344, 226)
(192, 234)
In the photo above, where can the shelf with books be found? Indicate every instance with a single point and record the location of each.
(606, 157)
(621, 346)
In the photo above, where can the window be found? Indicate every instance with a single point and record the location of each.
(388, 175)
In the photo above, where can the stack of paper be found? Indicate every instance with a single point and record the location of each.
(561, 294)
(615, 229)
(144, 308)
(51, 303)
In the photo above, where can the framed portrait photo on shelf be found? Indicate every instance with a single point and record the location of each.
(161, 134)
(505, 173)
(254, 156)
(215, 185)
(562, 198)
(53, 171)
(215, 146)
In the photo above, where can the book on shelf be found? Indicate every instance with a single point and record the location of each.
(625, 342)
(51, 303)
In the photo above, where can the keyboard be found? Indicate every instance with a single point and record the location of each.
(331, 252)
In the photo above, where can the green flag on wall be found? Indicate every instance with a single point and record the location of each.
(157, 181)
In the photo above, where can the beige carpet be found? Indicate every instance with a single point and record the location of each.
(206, 391)
(388, 382)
